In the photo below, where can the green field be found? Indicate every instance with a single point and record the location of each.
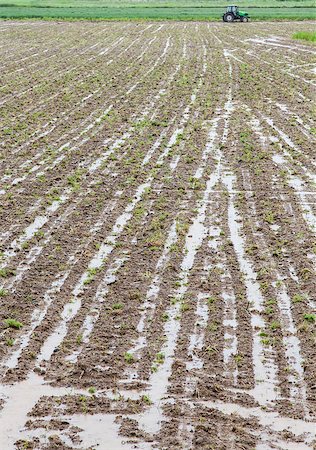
(154, 9)
(154, 3)
(305, 36)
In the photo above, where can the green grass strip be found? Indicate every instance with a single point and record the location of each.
(305, 36)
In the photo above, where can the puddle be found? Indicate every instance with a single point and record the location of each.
(275, 227)
(101, 432)
(174, 163)
(30, 231)
(92, 317)
(20, 398)
(197, 338)
(150, 421)
(208, 148)
(292, 350)
(278, 159)
(230, 334)
(272, 420)
(265, 371)
(148, 306)
(72, 307)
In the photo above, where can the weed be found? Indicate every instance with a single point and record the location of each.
(160, 357)
(128, 357)
(74, 179)
(117, 306)
(297, 298)
(6, 272)
(269, 310)
(238, 358)
(213, 327)
(92, 390)
(146, 399)
(184, 307)
(275, 325)
(265, 341)
(310, 317)
(83, 400)
(12, 323)
(91, 274)
(309, 36)
(10, 342)
(269, 217)
(3, 292)
(306, 273)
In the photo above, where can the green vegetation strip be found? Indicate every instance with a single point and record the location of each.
(305, 36)
(152, 13)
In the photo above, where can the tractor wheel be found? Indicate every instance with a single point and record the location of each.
(244, 19)
(229, 17)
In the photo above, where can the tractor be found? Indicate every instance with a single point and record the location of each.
(232, 13)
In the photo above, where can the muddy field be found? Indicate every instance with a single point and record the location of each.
(157, 236)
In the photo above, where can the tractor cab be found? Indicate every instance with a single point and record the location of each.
(232, 9)
(232, 13)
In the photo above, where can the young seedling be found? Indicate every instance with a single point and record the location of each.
(12, 323)
(3, 292)
(275, 325)
(128, 357)
(146, 399)
(10, 342)
(310, 317)
(160, 357)
(92, 390)
(117, 306)
(297, 298)
(6, 272)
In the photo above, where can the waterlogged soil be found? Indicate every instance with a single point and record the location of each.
(157, 236)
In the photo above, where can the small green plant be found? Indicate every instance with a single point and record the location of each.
(265, 341)
(269, 310)
(213, 327)
(128, 357)
(263, 334)
(184, 307)
(310, 317)
(10, 342)
(275, 325)
(91, 274)
(92, 390)
(238, 358)
(3, 292)
(309, 36)
(12, 323)
(160, 357)
(117, 306)
(74, 180)
(269, 217)
(39, 234)
(6, 272)
(83, 400)
(298, 298)
(146, 399)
